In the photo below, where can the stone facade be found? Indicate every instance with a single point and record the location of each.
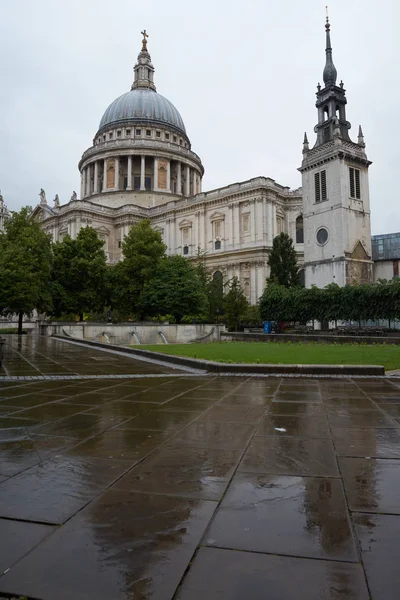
(141, 165)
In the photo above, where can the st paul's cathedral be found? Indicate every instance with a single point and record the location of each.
(142, 165)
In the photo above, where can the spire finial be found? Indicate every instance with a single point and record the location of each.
(306, 146)
(361, 141)
(144, 70)
(330, 73)
(144, 40)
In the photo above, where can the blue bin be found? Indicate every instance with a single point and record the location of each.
(267, 326)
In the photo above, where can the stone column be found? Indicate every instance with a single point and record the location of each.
(194, 181)
(172, 236)
(96, 178)
(129, 185)
(116, 182)
(236, 222)
(168, 175)
(253, 286)
(88, 180)
(260, 279)
(187, 186)
(260, 219)
(155, 182)
(232, 228)
(179, 179)
(82, 184)
(105, 176)
(202, 230)
(142, 172)
(274, 231)
(269, 223)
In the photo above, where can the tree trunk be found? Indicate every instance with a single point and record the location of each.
(20, 319)
(81, 316)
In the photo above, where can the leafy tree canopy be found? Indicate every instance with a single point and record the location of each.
(79, 274)
(143, 249)
(283, 262)
(175, 289)
(25, 266)
(235, 304)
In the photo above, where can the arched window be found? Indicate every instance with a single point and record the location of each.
(299, 230)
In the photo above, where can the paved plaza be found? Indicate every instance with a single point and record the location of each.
(127, 480)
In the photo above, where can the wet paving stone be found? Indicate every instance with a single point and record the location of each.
(218, 574)
(188, 404)
(299, 426)
(297, 516)
(127, 444)
(57, 488)
(194, 473)
(121, 546)
(245, 400)
(234, 414)
(367, 441)
(300, 396)
(215, 435)
(133, 459)
(296, 408)
(79, 426)
(158, 420)
(290, 456)
(361, 418)
(378, 536)
(372, 485)
(51, 411)
(17, 539)
(17, 422)
(392, 410)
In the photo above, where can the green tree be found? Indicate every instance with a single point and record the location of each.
(215, 295)
(143, 250)
(175, 289)
(235, 304)
(79, 274)
(283, 262)
(25, 266)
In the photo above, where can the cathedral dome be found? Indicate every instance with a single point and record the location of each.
(142, 105)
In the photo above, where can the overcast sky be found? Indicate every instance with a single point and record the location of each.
(242, 73)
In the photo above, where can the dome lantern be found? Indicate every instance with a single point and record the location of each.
(144, 70)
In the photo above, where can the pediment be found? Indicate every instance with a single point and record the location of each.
(42, 212)
(359, 252)
(217, 216)
(185, 223)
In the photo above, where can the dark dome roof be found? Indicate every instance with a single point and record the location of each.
(142, 105)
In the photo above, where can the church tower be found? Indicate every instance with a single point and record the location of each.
(336, 207)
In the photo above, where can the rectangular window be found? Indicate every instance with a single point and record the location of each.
(118, 133)
(147, 183)
(355, 188)
(175, 138)
(158, 133)
(167, 136)
(136, 183)
(148, 132)
(119, 244)
(321, 193)
(138, 132)
(128, 132)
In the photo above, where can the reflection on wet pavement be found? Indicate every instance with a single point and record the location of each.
(145, 482)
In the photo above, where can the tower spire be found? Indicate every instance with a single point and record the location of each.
(330, 73)
(144, 70)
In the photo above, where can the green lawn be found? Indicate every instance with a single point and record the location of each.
(387, 355)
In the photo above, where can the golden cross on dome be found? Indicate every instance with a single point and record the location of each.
(144, 41)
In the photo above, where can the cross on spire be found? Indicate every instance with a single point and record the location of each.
(144, 41)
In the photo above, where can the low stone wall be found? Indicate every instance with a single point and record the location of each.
(316, 338)
(246, 368)
(134, 333)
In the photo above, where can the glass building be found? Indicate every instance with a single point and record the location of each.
(386, 246)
